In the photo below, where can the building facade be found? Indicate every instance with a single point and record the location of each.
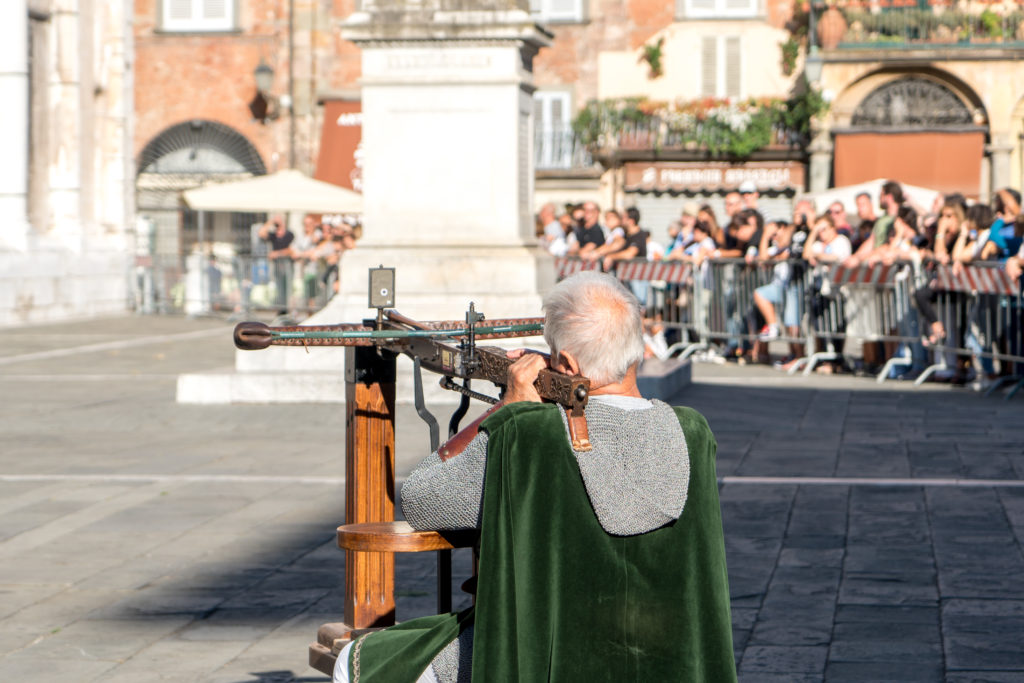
(226, 89)
(65, 214)
(930, 92)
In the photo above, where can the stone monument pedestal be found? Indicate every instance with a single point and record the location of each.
(447, 102)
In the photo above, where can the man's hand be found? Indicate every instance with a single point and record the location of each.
(521, 376)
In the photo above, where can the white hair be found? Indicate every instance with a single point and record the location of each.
(596, 319)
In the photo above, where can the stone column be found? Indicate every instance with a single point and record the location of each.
(66, 126)
(14, 132)
(820, 170)
(1000, 154)
(447, 101)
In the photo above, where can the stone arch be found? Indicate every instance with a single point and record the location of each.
(200, 147)
(183, 156)
(928, 82)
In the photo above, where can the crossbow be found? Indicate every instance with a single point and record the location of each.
(445, 347)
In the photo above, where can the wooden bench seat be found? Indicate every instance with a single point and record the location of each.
(378, 537)
(399, 537)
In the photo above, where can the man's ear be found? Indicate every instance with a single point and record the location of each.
(569, 364)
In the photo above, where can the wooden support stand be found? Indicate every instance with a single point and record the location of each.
(370, 536)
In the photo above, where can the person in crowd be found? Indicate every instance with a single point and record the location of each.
(553, 235)
(825, 246)
(973, 234)
(304, 255)
(279, 239)
(865, 220)
(1007, 232)
(342, 238)
(803, 214)
(615, 237)
(702, 247)
(590, 235)
(838, 213)
(634, 244)
(634, 247)
(749, 194)
(903, 241)
(777, 244)
(593, 328)
(824, 243)
(733, 205)
(947, 230)
(707, 214)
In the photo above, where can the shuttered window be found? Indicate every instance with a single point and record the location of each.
(197, 15)
(721, 67)
(557, 10)
(717, 9)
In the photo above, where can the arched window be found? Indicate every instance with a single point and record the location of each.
(188, 155)
(912, 102)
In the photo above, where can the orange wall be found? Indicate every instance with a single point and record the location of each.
(947, 162)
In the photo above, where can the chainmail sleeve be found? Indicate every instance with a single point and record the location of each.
(447, 494)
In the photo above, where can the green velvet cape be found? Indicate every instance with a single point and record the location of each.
(560, 599)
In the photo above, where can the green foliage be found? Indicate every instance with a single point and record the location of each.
(652, 55)
(790, 49)
(724, 128)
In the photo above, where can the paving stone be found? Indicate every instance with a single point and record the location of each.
(879, 671)
(243, 573)
(782, 659)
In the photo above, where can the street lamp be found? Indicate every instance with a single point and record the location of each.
(264, 77)
(264, 106)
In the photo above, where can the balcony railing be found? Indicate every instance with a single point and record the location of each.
(559, 149)
(917, 24)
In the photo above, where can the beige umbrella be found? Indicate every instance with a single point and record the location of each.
(284, 191)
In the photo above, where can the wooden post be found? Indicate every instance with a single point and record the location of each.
(369, 481)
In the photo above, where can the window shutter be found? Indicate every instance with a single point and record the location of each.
(179, 10)
(563, 9)
(745, 6)
(733, 74)
(702, 6)
(215, 9)
(709, 66)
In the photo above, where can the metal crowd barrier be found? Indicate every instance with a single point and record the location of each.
(823, 307)
(981, 309)
(234, 285)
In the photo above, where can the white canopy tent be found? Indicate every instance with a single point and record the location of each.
(921, 198)
(285, 191)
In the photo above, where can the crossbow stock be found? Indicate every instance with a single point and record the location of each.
(446, 347)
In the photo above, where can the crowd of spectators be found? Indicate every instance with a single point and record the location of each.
(304, 268)
(951, 232)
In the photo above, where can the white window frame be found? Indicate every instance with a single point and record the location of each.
(686, 9)
(541, 11)
(721, 68)
(196, 23)
(546, 128)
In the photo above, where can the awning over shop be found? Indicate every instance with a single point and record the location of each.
(284, 191)
(713, 177)
(340, 160)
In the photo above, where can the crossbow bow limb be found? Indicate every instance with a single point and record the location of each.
(445, 347)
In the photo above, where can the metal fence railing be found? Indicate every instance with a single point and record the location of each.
(230, 285)
(719, 305)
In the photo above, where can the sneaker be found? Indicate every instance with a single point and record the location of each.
(768, 333)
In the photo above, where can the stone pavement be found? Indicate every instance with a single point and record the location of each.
(144, 540)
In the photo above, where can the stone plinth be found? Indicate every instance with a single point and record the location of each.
(447, 138)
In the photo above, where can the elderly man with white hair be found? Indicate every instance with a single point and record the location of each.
(607, 563)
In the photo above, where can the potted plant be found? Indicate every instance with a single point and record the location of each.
(652, 55)
(831, 27)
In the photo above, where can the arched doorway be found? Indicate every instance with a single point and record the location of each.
(915, 129)
(184, 156)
